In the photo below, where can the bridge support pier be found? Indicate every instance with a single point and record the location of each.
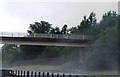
(81, 55)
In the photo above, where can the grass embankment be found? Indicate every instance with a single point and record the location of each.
(63, 68)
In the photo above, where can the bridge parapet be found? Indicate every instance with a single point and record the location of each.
(38, 35)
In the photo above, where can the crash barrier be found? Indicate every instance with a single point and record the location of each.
(21, 73)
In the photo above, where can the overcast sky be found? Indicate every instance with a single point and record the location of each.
(15, 16)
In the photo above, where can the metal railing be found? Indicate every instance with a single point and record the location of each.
(38, 35)
(21, 73)
(14, 34)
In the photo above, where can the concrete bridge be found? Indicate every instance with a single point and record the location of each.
(46, 39)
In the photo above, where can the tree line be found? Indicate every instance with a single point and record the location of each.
(100, 55)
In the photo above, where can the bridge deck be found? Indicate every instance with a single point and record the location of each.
(45, 41)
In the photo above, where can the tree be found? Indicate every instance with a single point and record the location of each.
(108, 20)
(55, 30)
(103, 54)
(74, 30)
(84, 24)
(51, 52)
(40, 27)
(64, 29)
(69, 53)
(87, 25)
(92, 19)
(32, 51)
(10, 53)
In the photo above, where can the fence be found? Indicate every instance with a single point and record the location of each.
(20, 73)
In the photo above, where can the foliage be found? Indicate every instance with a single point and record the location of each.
(70, 52)
(10, 53)
(51, 52)
(55, 30)
(87, 26)
(31, 51)
(42, 27)
(103, 54)
(64, 29)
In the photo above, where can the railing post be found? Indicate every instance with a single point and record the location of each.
(24, 74)
(13, 73)
(63, 75)
(12, 34)
(43, 74)
(35, 74)
(18, 73)
(57, 75)
(34, 34)
(83, 36)
(39, 74)
(27, 73)
(47, 74)
(31, 73)
(76, 75)
(21, 73)
(51, 36)
(18, 34)
(52, 74)
(70, 75)
(2, 34)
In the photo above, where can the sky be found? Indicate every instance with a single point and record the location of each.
(16, 15)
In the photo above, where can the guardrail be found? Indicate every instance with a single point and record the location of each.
(38, 35)
(21, 73)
